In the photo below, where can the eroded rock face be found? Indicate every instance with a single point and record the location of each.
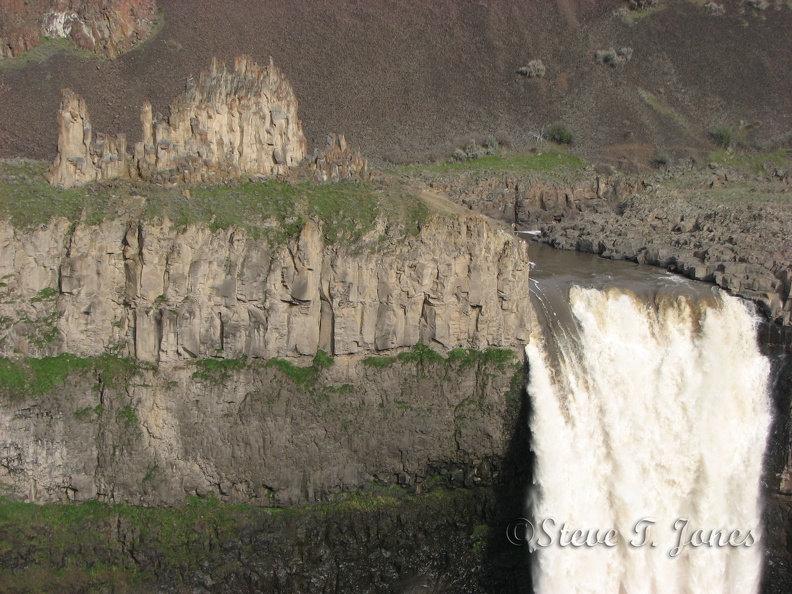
(149, 291)
(256, 435)
(248, 429)
(108, 28)
(227, 123)
(81, 157)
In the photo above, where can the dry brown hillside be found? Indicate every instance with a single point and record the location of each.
(413, 79)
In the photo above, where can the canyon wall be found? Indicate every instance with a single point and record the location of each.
(189, 360)
(263, 433)
(108, 28)
(148, 290)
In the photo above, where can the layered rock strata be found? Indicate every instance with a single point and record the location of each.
(256, 432)
(108, 28)
(147, 290)
(202, 369)
(227, 123)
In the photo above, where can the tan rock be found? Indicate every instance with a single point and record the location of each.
(228, 123)
(337, 161)
(161, 295)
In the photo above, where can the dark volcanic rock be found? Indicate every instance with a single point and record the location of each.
(412, 80)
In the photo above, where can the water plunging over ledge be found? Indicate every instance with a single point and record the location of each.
(650, 413)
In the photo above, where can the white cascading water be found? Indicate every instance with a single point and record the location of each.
(651, 411)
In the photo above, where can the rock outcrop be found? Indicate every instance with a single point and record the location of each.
(338, 162)
(81, 157)
(146, 290)
(227, 123)
(108, 28)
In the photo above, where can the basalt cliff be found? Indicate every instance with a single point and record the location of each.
(187, 307)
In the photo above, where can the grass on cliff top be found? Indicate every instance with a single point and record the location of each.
(271, 209)
(43, 51)
(551, 160)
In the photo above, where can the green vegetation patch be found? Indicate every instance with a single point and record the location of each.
(421, 353)
(752, 161)
(46, 294)
(37, 376)
(95, 546)
(30, 377)
(217, 371)
(271, 210)
(553, 160)
(127, 415)
(502, 359)
(380, 362)
(302, 376)
(559, 134)
(44, 50)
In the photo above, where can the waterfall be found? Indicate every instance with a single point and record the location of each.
(649, 419)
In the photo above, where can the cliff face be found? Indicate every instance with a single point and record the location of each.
(260, 433)
(108, 28)
(146, 290)
(228, 122)
(241, 423)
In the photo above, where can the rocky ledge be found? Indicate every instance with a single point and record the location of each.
(729, 229)
(164, 295)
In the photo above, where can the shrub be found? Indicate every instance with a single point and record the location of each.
(715, 9)
(722, 136)
(757, 4)
(661, 160)
(491, 144)
(534, 69)
(473, 151)
(614, 58)
(641, 4)
(559, 134)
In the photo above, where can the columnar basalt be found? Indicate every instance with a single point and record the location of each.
(147, 290)
(200, 345)
(227, 123)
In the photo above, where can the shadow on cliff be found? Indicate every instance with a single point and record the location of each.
(777, 515)
(507, 567)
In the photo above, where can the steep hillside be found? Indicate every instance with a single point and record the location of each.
(412, 80)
